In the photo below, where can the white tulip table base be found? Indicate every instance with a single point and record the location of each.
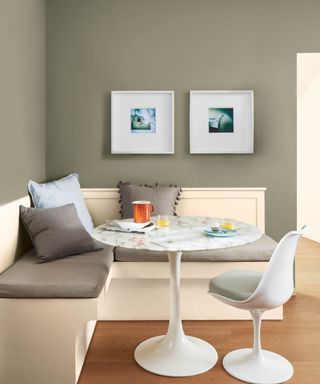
(177, 357)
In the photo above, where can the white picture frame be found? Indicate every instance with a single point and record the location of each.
(142, 122)
(221, 122)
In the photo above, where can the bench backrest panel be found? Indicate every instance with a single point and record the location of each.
(245, 204)
(12, 237)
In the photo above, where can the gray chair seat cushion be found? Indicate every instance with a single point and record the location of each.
(236, 285)
(81, 276)
(259, 250)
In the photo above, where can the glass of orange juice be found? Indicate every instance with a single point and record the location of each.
(163, 221)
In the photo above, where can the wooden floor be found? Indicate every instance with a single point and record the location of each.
(297, 337)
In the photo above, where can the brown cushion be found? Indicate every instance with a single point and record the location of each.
(259, 250)
(56, 232)
(163, 198)
(71, 277)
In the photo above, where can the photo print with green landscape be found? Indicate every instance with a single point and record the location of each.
(143, 120)
(220, 120)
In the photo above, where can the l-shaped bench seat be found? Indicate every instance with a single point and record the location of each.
(83, 276)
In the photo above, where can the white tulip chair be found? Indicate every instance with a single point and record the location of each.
(257, 293)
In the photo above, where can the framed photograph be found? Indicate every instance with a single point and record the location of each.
(221, 122)
(142, 122)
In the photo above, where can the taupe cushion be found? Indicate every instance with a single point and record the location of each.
(236, 285)
(71, 277)
(259, 250)
(56, 232)
(163, 198)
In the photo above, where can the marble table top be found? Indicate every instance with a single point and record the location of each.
(185, 233)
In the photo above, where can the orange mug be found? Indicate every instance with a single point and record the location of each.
(142, 211)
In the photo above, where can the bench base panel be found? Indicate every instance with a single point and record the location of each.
(44, 341)
(140, 291)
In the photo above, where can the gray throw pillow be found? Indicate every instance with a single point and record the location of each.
(61, 192)
(164, 199)
(56, 232)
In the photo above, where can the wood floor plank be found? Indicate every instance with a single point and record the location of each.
(297, 337)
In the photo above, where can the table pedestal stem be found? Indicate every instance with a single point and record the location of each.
(175, 354)
(175, 331)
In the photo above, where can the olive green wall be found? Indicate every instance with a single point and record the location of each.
(22, 96)
(101, 45)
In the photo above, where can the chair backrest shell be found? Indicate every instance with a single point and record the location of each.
(277, 284)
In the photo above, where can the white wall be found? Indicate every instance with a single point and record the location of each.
(308, 140)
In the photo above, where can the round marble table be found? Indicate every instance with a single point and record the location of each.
(176, 354)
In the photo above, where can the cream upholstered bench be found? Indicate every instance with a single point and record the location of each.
(48, 312)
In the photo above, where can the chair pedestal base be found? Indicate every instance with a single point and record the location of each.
(271, 369)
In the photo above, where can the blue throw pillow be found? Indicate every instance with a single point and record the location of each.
(61, 192)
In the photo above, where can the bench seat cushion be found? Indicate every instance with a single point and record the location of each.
(259, 250)
(81, 276)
